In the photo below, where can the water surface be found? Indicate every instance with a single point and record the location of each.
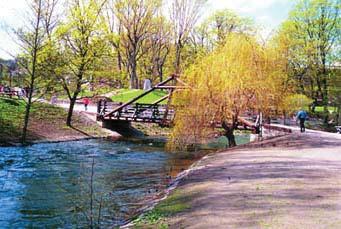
(76, 184)
(49, 185)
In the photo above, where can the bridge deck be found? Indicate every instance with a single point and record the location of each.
(139, 112)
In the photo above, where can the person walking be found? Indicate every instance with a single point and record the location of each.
(54, 100)
(86, 102)
(302, 117)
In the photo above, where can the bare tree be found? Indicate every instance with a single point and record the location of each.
(135, 17)
(160, 46)
(33, 41)
(184, 15)
(156, 49)
(114, 30)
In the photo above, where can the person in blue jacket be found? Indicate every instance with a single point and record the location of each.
(302, 116)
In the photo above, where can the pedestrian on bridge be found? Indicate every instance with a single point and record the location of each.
(302, 117)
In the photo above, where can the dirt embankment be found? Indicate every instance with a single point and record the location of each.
(292, 181)
(47, 123)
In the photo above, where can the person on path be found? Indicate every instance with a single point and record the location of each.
(86, 102)
(20, 93)
(302, 116)
(54, 99)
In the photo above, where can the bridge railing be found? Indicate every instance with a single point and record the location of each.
(138, 112)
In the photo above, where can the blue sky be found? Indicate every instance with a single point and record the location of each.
(267, 13)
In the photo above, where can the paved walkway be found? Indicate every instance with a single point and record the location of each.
(79, 107)
(290, 182)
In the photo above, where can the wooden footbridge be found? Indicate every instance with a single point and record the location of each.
(115, 115)
(133, 111)
(119, 116)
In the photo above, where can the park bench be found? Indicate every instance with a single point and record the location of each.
(338, 129)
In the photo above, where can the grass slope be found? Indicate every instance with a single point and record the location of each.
(157, 218)
(124, 95)
(47, 122)
(11, 116)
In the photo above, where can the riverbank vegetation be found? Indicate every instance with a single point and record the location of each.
(157, 218)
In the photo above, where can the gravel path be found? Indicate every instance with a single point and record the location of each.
(289, 182)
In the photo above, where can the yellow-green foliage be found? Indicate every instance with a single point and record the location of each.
(296, 102)
(238, 77)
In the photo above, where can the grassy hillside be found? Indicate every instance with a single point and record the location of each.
(11, 116)
(47, 122)
(124, 95)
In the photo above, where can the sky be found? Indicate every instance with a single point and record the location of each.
(267, 13)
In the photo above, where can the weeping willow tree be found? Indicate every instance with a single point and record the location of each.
(239, 77)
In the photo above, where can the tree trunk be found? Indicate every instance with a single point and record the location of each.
(231, 138)
(70, 112)
(325, 93)
(161, 73)
(301, 85)
(312, 91)
(229, 134)
(178, 57)
(30, 94)
(29, 100)
(133, 79)
(73, 100)
(119, 61)
(27, 117)
(133, 73)
(324, 80)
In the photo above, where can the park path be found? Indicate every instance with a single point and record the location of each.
(79, 107)
(293, 181)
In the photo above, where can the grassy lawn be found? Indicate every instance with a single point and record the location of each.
(124, 95)
(11, 116)
(47, 122)
(320, 109)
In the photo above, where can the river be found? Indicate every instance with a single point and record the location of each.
(71, 184)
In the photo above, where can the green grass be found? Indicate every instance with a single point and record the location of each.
(125, 95)
(43, 117)
(11, 116)
(12, 112)
(320, 109)
(175, 203)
